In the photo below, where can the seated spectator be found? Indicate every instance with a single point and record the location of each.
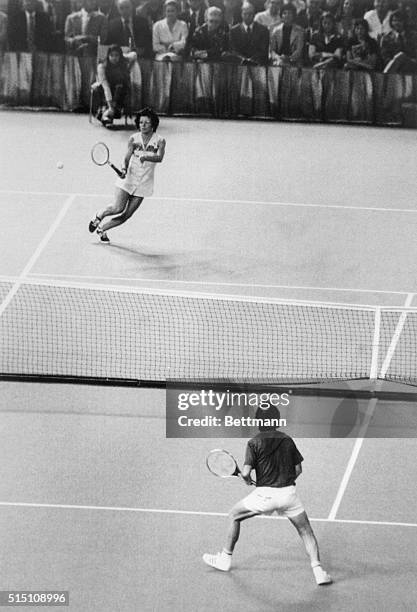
(83, 29)
(287, 40)
(210, 41)
(362, 52)
(249, 41)
(169, 35)
(378, 19)
(108, 8)
(3, 31)
(114, 80)
(347, 20)
(309, 19)
(232, 12)
(399, 47)
(130, 29)
(326, 46)
(270, 17)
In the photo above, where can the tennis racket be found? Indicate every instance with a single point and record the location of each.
(221, 463)
(100, 155)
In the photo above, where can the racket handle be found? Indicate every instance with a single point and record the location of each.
(117, 171)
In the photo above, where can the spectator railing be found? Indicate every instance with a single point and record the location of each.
(215, 90)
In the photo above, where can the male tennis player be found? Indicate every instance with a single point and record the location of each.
(277, 463)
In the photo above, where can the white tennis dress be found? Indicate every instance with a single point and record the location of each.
(139, 178)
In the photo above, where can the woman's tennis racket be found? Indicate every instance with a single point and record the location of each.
(100, 155)
(222, 464)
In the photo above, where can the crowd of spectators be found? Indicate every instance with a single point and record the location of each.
(350, 34)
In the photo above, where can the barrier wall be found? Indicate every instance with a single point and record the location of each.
(214, 90)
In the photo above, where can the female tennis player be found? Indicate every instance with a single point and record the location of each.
(144, 150)
(277, 463)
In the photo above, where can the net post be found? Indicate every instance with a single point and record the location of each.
(373, 371)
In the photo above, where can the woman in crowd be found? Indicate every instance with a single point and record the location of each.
(144, 150)
(326, 46)
(169, 35)
(114, 77)
(362, 51)
(347, 19)
(399, 47)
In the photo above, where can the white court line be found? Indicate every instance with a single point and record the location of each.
(215, 201)
(367, 419)
(212, 283)
(396, 337)
(188, 512)
(32, 261)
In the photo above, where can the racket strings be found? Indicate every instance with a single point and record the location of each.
(221, 464)
(100, 154)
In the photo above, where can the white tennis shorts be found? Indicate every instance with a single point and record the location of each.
(266, 500)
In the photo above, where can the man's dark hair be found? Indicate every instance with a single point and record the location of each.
(269, 413)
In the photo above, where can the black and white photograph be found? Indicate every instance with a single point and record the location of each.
(208, 305)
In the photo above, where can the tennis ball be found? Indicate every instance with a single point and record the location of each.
(59, 165)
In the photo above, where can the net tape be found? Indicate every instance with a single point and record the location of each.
(57, 329)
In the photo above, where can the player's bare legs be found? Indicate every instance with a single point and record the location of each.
(118, 206)
(306, 533)
(223, 559)
(238, 513)
(132, 205)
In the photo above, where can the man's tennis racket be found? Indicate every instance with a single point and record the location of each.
(222, 464)
(100, 155)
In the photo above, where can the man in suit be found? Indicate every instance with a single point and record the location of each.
(57, 11)
(129, 27)
(29, 29)
(287, 40)
(249, 41)
(194, 18)
(211, 40)
(83, 28)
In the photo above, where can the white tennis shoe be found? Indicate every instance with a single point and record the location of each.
(220, 561)
(321, 576)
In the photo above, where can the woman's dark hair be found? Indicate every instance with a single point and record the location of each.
(288, 7)
(399, 15)
(112, 49)
(361, 22)
(327, 15)
(148, 112)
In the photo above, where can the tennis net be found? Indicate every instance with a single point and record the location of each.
(90, 332)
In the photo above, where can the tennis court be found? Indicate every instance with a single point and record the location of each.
(94, 499)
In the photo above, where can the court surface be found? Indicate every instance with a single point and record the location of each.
(93, 498)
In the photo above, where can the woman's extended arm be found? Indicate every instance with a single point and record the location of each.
(128, 155)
